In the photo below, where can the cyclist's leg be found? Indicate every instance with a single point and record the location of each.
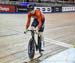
(41, 35)
(35, 24)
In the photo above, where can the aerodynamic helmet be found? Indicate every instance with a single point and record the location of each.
(30, 7)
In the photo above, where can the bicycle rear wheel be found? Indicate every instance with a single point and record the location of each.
(31, 48)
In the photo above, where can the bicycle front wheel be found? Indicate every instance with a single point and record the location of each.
(31, 48)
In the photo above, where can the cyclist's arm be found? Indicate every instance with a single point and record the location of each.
(28, 21)
(39, 20)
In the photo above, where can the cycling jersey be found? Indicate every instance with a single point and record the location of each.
(38, 15)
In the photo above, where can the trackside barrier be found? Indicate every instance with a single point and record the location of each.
(55, 9)
(21, 9)
(52, 9)
(44, 9)
(6, 8)
(68, 9)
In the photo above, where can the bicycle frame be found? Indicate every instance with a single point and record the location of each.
(39, 38)
(32, 33)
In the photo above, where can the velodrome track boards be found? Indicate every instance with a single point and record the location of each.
(59, 35)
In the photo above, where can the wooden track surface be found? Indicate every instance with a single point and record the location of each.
(59, 35)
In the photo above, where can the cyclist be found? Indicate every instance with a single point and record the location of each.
(37, 23)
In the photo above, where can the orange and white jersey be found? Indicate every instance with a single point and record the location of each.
(36, 14)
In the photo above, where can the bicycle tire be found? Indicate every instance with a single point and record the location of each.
(31, 48)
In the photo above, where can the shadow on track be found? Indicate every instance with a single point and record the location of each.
(35, 60)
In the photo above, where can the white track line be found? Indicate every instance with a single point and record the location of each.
(59, 43)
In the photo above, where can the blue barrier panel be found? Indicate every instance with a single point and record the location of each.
(26, 3)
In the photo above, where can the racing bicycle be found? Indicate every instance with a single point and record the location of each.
(32, 46)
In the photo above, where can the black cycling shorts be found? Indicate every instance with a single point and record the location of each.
(35, 24)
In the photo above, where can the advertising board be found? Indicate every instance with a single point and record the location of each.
(66, 9)
(44, 9)
(7, 8)
(56, 9)
(21, 9)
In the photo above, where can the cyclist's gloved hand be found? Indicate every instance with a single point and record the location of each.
(37, 30)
